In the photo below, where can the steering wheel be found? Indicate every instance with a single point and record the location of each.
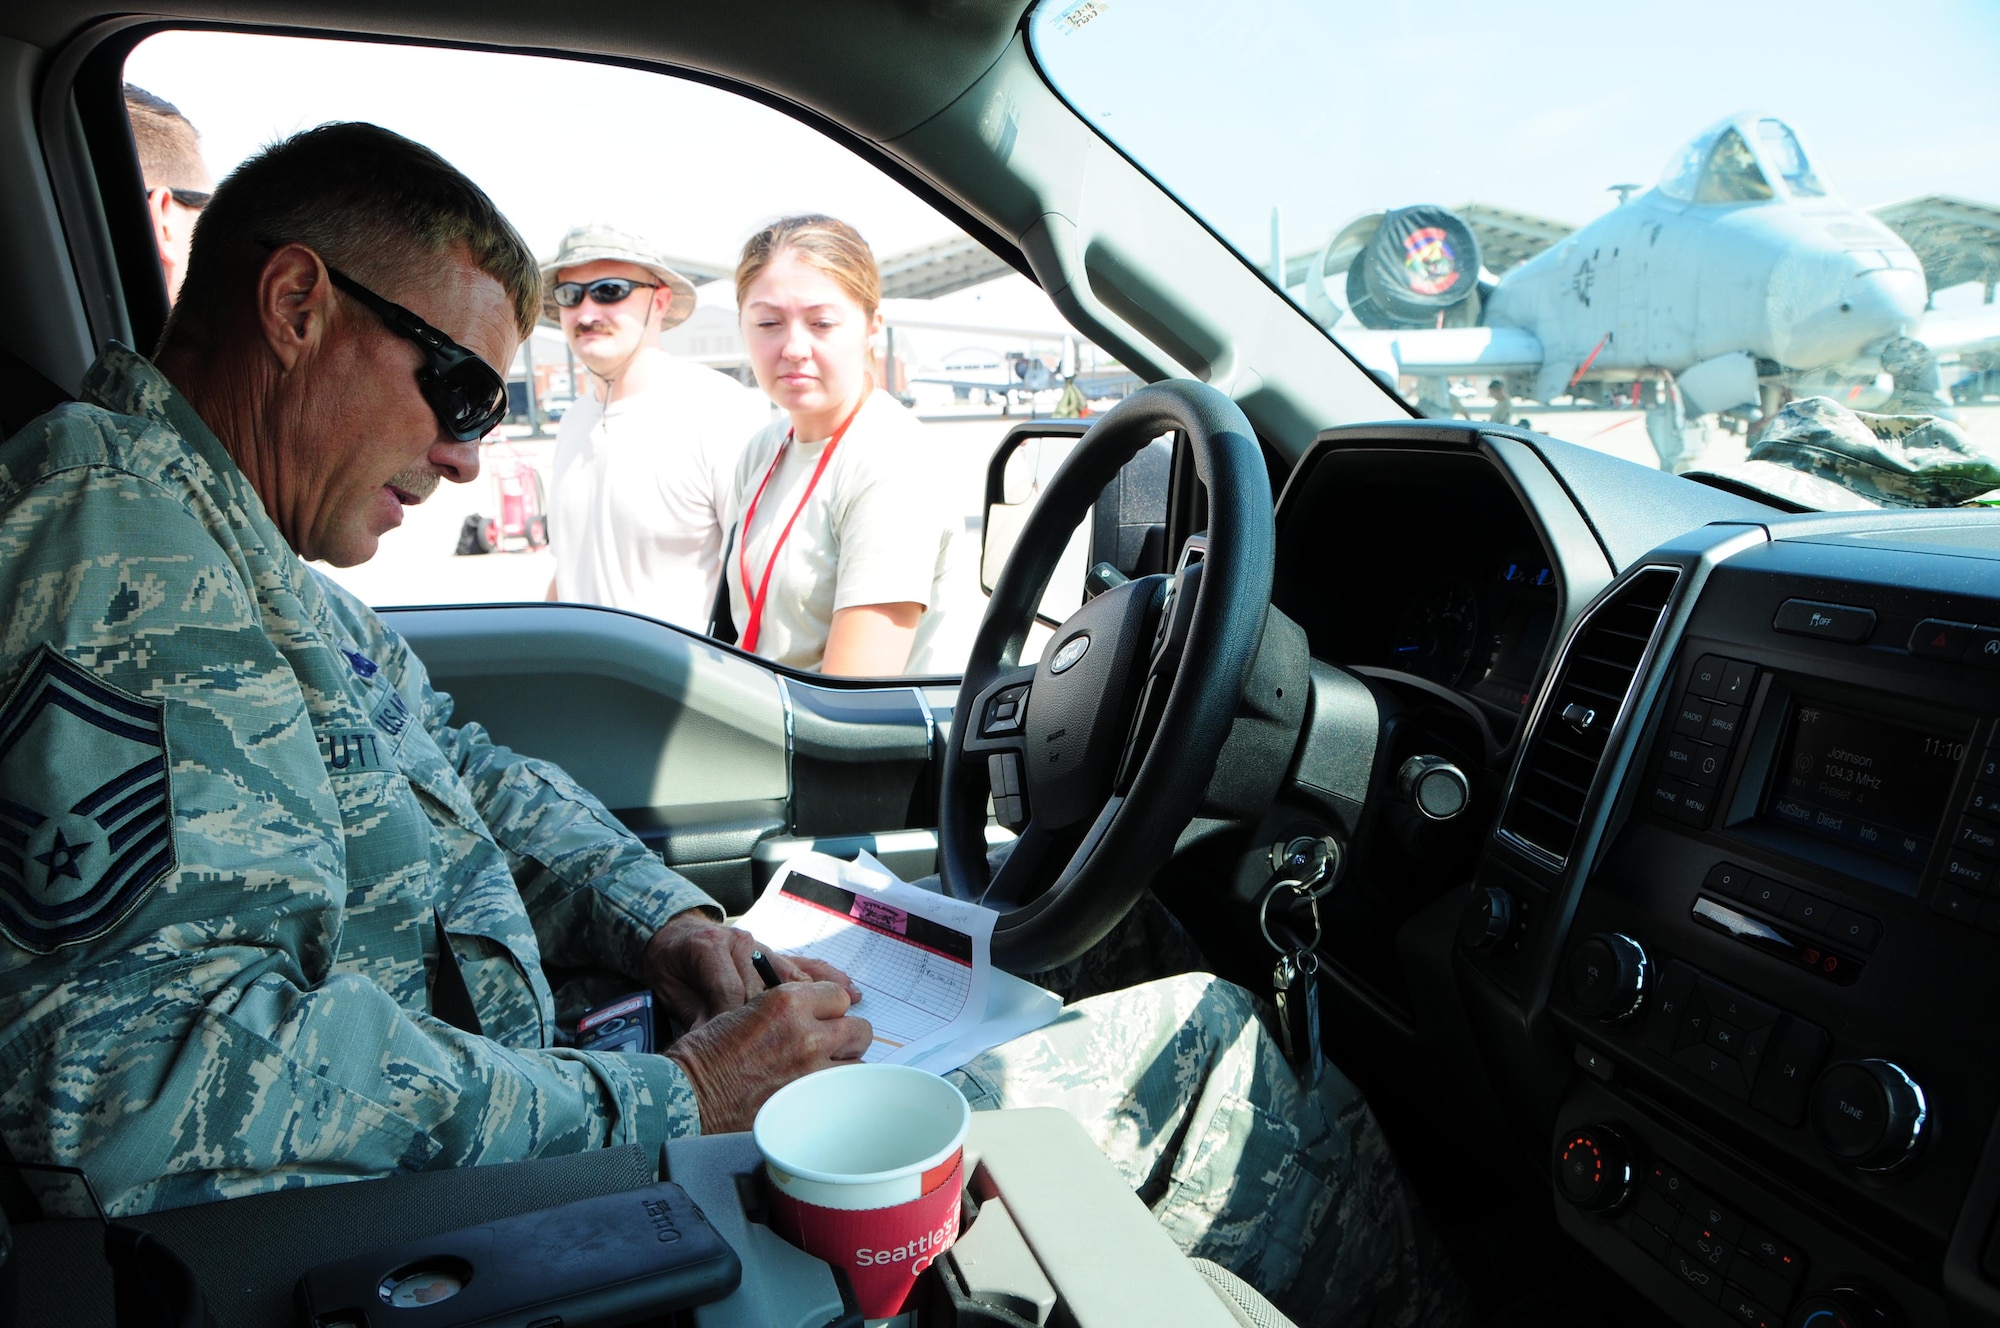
(1100, 752)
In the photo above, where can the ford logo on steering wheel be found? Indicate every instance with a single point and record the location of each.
(1072, 651)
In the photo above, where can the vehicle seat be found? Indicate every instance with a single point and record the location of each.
(1242, 1300)
(24, 393)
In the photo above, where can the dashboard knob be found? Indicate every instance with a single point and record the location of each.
(1608, 976)
(1840, 1307)
(1869, 1114)
(1594, 1169)
(1492, 918)
(1438, 789)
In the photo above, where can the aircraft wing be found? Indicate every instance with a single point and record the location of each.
(972, 384)
(1955, 239)
(1508, 238)
(1447, 351)
(1973, 333)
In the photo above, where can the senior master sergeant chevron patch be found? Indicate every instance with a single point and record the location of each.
(86, 825)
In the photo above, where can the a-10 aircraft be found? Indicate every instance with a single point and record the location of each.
(1741, 278)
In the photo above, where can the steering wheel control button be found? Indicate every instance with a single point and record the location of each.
(1438, 789)
(1004, 713)
(1010, 804)
(1844, 623)
(1608, 977)
(1869, 1114)
(1594, 1170)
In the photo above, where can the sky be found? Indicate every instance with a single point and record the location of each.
(555, 142)
(1327, 109)
(1324, 109)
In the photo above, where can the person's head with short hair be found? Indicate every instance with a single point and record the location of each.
(809, 297)
(341, 407)
(613, 293)
(178, 182)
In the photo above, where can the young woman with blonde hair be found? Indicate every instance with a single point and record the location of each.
(840, 547)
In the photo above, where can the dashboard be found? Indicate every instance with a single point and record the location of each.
(1721, 957)
(1469, 599)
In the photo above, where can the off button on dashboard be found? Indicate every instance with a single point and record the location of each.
(1845, 623)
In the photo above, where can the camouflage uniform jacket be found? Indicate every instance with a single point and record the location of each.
(232, 814)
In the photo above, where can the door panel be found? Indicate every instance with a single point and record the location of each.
(685, 742)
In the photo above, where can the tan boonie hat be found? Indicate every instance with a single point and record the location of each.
(598, 243)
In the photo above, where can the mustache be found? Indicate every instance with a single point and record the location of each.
(419, 481)
(595, 325)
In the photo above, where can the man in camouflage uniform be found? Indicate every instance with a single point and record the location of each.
(268, 919)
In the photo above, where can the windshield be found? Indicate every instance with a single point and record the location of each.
(1469, 206)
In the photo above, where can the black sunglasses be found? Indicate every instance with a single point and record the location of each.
(605, 290)
(189, 198)
(464, 392)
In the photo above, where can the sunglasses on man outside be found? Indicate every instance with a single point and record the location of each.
(605, 290)
(193, 199)
(465, 393)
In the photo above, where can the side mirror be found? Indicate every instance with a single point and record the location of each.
(1126, 529)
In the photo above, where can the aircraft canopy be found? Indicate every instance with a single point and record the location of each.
(1737, 160)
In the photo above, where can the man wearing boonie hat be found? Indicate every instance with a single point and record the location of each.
(644, 459)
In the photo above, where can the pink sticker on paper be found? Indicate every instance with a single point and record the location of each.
(880, 915)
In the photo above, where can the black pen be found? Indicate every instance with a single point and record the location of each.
(765, 968)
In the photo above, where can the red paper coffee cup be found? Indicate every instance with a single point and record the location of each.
(866, 1167)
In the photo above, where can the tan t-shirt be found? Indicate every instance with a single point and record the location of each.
(639, 491)
(874, 531)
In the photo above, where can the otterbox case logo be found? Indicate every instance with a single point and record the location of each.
(86, 822)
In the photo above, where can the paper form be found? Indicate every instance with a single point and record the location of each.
(923, 961)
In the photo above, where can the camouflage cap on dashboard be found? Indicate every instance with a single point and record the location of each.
(1820, 454)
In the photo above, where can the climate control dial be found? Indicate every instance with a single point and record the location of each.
(1594, 1169)
(1840, 1307)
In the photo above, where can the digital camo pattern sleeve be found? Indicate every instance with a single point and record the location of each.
(172, 1019)
(595, 893)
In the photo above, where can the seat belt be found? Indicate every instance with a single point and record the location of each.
(451, 999)
(722, 623)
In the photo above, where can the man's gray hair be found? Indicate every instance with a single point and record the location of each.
(370, 202)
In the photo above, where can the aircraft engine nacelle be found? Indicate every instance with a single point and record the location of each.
(1421, 262)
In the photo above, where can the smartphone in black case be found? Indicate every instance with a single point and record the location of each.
(596, 1263)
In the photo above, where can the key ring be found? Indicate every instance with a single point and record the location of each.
(1264, 921)
(1314, 866)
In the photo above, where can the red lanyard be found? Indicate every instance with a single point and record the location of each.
(756, 623)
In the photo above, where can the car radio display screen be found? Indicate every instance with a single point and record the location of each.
(1876, 785)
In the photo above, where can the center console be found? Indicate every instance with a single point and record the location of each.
(1777, 965)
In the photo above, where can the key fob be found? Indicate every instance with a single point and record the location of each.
(1295, 992)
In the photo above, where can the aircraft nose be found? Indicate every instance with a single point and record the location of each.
(1885, 298)
(1849, 301)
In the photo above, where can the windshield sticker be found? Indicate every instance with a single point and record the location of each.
(1075, 17)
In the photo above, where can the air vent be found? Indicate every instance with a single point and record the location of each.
(1592, 689)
